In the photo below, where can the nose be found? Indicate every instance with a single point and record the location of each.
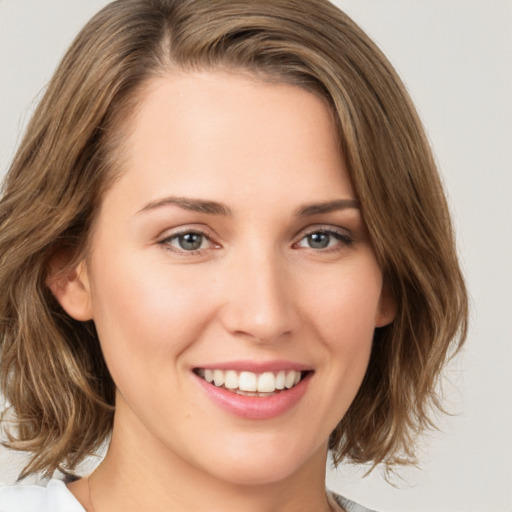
(259, 298)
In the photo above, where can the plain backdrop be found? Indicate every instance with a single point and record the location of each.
(455, 58)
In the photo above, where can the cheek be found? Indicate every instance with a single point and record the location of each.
(346, 303)
(145, 318)
(343, 317)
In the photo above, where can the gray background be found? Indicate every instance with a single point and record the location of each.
(455, 58)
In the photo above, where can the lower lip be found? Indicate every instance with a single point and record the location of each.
(256, 407)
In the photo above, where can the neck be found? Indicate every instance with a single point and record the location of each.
(140, 474)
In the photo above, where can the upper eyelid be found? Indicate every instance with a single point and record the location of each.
(173, 232)
(325, 228)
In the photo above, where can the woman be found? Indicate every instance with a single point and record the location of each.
(225, 247)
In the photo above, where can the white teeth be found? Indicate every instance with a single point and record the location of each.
(231, 381)
(249, 382)
(208, 375)
(280, 380)
(266, 382)
(289, 380)
(218, 377)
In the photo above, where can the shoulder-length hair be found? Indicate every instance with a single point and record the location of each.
(52, 370)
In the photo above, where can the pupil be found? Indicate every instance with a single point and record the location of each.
(318, 240)
(190, 241)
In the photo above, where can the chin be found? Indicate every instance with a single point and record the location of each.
(262, 465)
(249, 473)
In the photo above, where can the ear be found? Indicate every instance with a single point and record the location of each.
(387, 308)
(70, 286)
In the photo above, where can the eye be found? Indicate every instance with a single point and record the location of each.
(187, 241)
(324, 239)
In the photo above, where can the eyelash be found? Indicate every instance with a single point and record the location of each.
(345, 239)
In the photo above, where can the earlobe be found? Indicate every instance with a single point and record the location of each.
(387, 308)
(70, 286)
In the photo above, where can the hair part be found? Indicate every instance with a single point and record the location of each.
(53, 373)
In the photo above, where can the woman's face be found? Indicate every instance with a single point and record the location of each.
(232, 248)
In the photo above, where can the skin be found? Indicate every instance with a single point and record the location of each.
(255, 290)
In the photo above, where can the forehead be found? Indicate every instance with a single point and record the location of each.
(210, 133)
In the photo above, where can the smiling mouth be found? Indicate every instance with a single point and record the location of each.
(252, 384)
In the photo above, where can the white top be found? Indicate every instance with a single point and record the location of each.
(56, 497)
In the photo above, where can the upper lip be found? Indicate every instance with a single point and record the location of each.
(256, 366)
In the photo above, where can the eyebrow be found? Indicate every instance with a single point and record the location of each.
(215, 208)
(187, 203)
(309, 210)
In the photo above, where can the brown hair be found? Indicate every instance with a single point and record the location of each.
(52, 370)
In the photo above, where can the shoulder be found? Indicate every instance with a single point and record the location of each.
(348, 505)
(54, 497)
